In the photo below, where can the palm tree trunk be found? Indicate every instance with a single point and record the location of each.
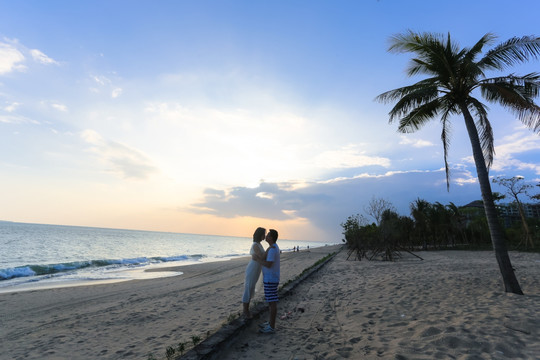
(497, 238)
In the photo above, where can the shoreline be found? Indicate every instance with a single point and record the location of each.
(132, 319)
(113, 275)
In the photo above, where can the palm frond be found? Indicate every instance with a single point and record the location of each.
(428, 47)
(419, 116)
(513, 51)
(445, 138)
(528, 86)
(516, 93)
(530, 117)
(435, 55)
(469, 67)
(477, 48)
(411, 41)
(416, 67)
(413, 100)
(398, 93)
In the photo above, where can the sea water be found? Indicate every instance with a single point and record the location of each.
(39, 256)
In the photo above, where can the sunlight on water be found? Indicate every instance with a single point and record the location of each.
(52, 255)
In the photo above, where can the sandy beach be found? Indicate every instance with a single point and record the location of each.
(451, 305)
(129, 320)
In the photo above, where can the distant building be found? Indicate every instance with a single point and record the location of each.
(508, 212)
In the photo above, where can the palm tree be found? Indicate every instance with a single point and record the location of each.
(453, 75)
(456, 220)
(419, 212)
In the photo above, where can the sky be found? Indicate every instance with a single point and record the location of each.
(216, 117)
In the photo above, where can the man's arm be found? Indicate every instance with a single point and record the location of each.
(263, 261)
(266, 263)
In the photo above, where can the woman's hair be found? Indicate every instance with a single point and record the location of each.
(258, 234)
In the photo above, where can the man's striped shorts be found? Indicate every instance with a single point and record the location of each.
(271, 291)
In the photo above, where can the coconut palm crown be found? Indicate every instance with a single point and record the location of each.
(454, 76)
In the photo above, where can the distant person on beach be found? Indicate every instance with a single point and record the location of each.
(271, 274)
(253, 270)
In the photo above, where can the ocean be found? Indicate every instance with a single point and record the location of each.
(35, 256)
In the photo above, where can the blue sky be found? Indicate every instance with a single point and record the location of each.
(217, 117)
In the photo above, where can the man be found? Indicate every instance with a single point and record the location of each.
(270, 272)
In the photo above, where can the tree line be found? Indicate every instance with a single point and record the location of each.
(430, 226)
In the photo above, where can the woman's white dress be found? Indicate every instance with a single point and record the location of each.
(253, 271)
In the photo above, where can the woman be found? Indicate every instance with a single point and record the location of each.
(253, 270)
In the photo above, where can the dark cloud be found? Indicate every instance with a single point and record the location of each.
(327, 204)
(268, 200)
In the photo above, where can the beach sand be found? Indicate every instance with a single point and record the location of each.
(451, 305)
(129, 320)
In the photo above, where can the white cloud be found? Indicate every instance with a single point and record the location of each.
(101, 80)
(377, 176)
(122, 160)
(101, 83)
(42, 58)
(518, 142)
(350, 156)
(12, 107)
(464, 177)
(238, 143)
(17, 119)
(60, 107)
(515, 144)
(10, 59)
(55, 105)
(518, 165)
(417, 143)
(92, 137)
(264, 195)
(116, 93)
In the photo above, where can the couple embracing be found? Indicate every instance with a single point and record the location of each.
(268, 261)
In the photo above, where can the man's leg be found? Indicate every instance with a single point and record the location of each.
(271, 294)
(273, 313)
